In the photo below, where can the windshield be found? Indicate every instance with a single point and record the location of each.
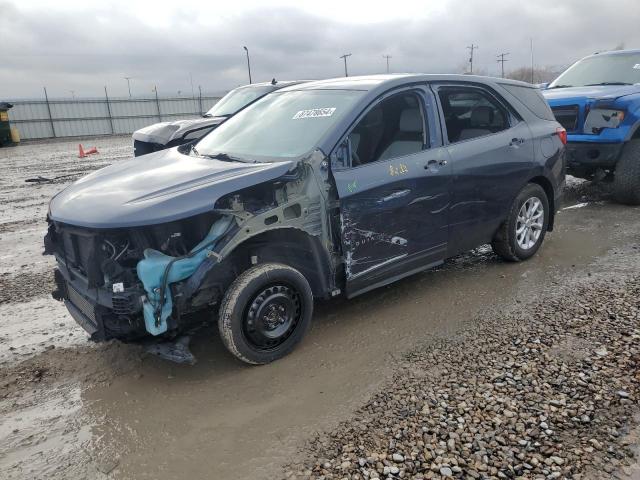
(236, 100)
(616, 69)
(283, 124)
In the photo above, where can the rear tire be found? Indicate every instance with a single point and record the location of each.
(265, 313)
(522, 233)
(626, 179)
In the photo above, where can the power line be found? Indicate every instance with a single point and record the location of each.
(346, 73)
(501, 60)
(387, 57)
(471, 48)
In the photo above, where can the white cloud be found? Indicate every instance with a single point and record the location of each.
(75, 45)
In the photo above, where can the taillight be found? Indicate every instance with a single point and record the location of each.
(562, 133)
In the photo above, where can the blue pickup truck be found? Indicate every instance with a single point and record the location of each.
(597, 100)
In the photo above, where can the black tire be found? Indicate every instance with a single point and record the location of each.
(265, 313)
(505, 242)
(626, 179)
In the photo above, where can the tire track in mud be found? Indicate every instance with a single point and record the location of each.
(17, 224)
(25, 286)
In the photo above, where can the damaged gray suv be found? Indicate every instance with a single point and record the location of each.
(319, 189)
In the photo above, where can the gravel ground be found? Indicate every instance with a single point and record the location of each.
(545, 391)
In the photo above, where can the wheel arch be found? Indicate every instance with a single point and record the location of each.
(634, 132)
(290, 246)
(547, 186)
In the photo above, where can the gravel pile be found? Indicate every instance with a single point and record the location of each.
(545, 391)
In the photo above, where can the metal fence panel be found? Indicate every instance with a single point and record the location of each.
(84, 117)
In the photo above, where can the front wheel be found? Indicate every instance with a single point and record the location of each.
(265, 313)
(626, 178)
(522, 233)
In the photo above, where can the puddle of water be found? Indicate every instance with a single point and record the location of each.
(40, 432)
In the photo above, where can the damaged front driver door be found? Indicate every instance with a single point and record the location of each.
(393, 213)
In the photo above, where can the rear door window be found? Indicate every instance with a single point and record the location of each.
(532, 99)
(471, 112)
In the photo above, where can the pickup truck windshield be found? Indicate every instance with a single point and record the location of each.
(616, 69)
(280, 125)
(237, 99)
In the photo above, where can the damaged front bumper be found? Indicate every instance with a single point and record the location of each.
(139, 292)
(101, 315)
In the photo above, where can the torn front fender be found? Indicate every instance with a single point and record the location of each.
(157, 271)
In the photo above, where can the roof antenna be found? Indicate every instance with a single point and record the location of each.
(273, 81)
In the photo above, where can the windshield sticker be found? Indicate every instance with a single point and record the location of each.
(314, 112)
(637, 66)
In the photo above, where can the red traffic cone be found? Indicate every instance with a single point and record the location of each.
(91, 151)
(81, 153)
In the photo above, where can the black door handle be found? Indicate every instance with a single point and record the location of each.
(516, 141)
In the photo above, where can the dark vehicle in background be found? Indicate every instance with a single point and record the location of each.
(319, 189)
(163, 135)
(597, 100)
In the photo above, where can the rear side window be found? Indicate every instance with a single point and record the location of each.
(471, 113)
(532, 99)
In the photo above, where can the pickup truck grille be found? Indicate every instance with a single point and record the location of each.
(567, 116)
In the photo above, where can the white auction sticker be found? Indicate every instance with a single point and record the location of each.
(314, 112)
(637, 66)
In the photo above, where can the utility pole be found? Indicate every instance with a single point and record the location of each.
(248, 62)
(128, 84)
(531, 60)
(193, 93)
(501, 60)
(344, 57)
(471, 48)
(387, 57)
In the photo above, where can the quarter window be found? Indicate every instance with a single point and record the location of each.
(393, 128)
(471, 113)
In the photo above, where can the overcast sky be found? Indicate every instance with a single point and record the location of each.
(81, 45)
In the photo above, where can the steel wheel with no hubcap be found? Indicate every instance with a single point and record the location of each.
(272, 317)
(529, 223)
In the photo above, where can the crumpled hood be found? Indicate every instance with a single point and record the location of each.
(156, 188)
(599, 92)
(164, 132)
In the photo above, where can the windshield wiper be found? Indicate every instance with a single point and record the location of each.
(560, 86)
(223, 115)
(224, 157)
(606, 83)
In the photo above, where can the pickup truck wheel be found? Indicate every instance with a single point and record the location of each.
(626, 179)
(265, 312)
(522, 233)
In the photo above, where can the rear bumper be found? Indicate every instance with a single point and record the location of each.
(592, 155)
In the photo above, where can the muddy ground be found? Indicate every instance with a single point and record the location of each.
(72, 409)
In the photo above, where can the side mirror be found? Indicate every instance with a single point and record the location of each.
(341, 155)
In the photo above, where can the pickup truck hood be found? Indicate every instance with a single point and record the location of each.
(156, 188)
(599, 92)
(164, 132)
